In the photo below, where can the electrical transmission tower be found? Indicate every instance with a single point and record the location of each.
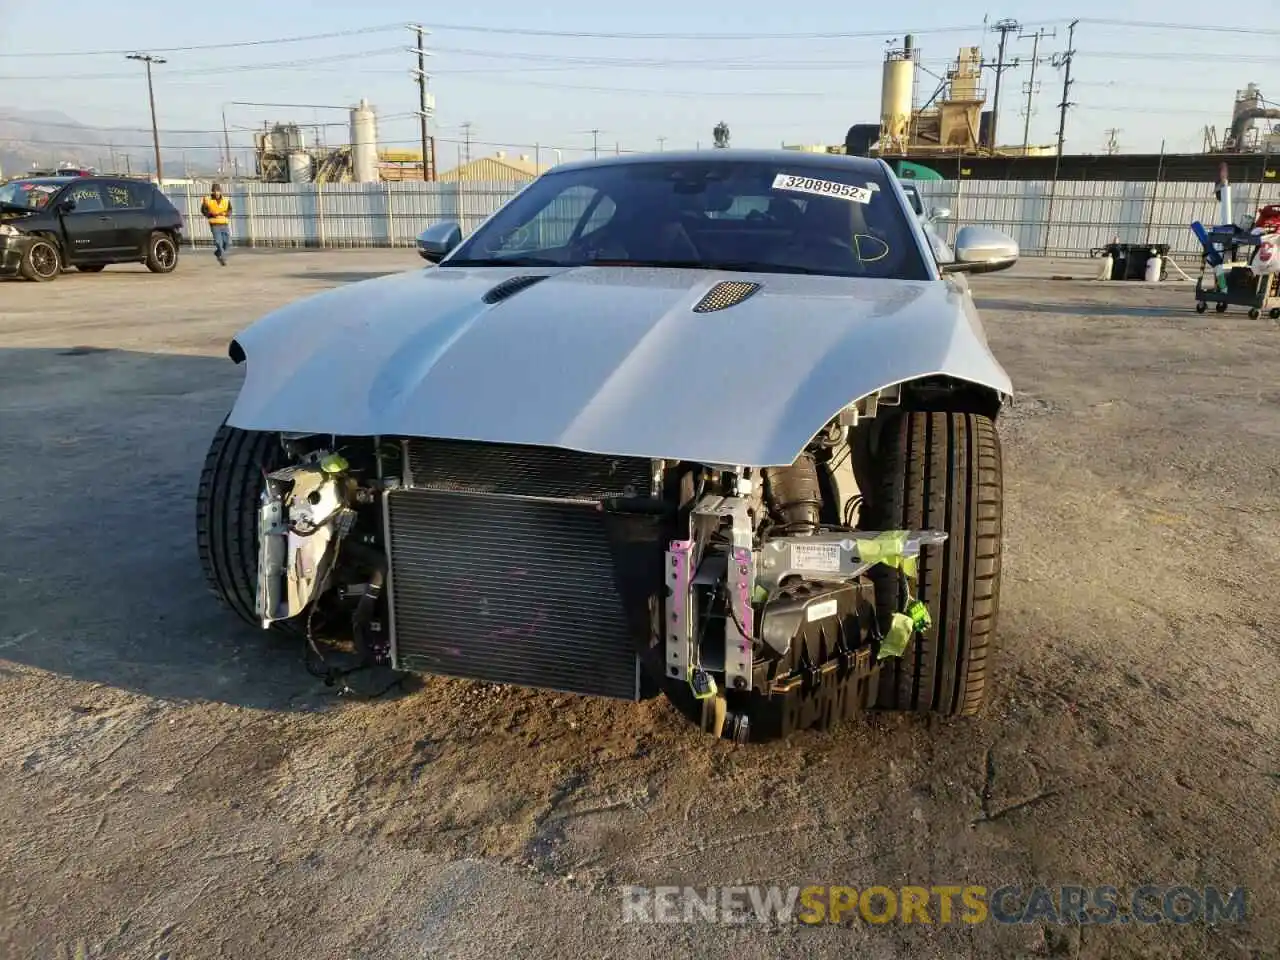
(1004, 28)
(1031, 88)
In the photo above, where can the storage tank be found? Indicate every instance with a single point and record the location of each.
(364, 143)
(299, 167)
(896, 95)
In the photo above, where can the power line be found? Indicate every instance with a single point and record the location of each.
(651, 92)
(1196, 27)
(211, 46)
(1189, 55)
(613, 35)
(209, 71)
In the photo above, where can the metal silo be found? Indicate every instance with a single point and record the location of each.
(364, 143)
(896, 95)
(299, 167)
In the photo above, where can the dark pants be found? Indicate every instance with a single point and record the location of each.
(221, 241)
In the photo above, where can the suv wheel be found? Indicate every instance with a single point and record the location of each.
(162, 253)
(42, 261)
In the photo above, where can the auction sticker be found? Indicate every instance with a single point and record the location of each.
(823, 188)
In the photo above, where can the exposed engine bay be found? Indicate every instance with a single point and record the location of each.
(745, 595)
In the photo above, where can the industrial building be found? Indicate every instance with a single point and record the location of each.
(282, 154)
(949, 133)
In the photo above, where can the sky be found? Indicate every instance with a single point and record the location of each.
(510, 75)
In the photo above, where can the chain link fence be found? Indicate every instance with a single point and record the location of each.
(1063, 219)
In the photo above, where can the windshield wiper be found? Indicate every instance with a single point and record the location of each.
(730, 266)
(504, 262)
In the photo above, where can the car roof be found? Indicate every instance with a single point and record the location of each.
(73, 178)
(788, 159)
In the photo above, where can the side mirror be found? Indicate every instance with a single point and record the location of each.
(67, 205)
(982, 250)
(439, 240)
(940, 213)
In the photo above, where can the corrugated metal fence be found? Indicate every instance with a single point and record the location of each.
(1066, 219)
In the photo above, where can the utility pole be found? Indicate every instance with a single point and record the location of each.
(1064, 61)
(661, 142)
(426, 103)
(1112, 145)
(226, 141)
(1029, 88)
(595, 143)
(1004, 28)
(148, 59)
(466, 139)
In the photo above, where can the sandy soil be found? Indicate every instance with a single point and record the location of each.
(174, 785)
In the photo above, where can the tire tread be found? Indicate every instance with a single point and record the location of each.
(226, 515)
(943, 470)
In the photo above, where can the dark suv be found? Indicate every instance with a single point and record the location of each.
(50, 223)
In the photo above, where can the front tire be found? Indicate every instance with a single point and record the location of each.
(42, 262)
(162, 253)
(227, 514)
(941, 470)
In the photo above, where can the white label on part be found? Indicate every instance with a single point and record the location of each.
(818, 557)
(823, 188)
(820, 611)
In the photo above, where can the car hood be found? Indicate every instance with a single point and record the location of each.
(9, 212)
(610, 360)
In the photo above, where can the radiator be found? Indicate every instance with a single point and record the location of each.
(501, 567)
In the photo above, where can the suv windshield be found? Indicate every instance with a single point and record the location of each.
(28, 193)
(756, 216)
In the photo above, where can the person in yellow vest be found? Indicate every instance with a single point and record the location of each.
(217, 210)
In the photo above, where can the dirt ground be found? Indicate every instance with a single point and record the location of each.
(172, 785)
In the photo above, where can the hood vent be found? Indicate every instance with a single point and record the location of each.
(510, 287)
(727, 293)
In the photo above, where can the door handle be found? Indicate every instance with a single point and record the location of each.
(104, 219)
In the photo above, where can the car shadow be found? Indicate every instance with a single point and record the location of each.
(344, 276)
(1077, 309)
(100, 579)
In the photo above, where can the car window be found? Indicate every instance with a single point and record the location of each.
(126, 196)
(88, 197)
(25, 193)
(838, 218)
(913, 197)
(575, 211)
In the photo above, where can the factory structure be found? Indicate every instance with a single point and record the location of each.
(944, 129)
(282, 154)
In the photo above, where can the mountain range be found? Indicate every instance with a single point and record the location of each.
(47, 138)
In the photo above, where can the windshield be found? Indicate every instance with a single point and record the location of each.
(28, 193)
(718, 214)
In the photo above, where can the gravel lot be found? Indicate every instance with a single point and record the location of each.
(174, 785)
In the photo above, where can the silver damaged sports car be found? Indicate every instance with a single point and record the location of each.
(713, 425)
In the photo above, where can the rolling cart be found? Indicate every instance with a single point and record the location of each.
(1244, 288)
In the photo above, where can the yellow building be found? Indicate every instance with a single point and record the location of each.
(499, 168)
